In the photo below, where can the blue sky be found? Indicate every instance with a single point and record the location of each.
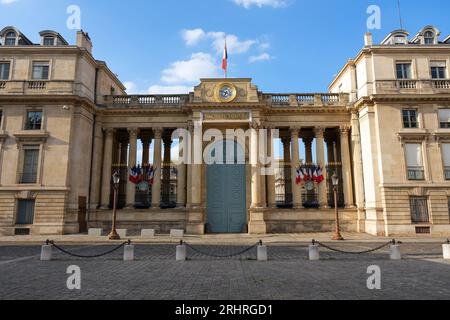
(285, 46)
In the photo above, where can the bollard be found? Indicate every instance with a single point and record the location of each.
(314, 254)
(181, 252)
(128, 252)
(446, 250)
(46, 252)
(262, 252)
(395, 253)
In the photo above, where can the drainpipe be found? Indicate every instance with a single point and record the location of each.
(92, 148)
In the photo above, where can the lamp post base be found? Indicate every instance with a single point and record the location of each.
(114, 235)
(338, 237)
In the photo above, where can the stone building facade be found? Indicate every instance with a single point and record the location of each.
(67, 125)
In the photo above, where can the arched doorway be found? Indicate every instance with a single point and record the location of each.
(226, 188)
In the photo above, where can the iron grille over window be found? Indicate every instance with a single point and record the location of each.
(34, 120)
(419, 210)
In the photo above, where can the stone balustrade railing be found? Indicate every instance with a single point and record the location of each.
(298, 100)
(411, 85)
(145, 100)
(37, 87)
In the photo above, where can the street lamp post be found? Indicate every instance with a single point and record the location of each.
(116, 181)
(337, 235)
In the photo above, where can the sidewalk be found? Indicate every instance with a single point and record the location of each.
(222, 239)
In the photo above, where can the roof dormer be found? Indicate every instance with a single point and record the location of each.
(52, 38)
(11, 36)
(447, 40)
(397, 37)
(427, 36)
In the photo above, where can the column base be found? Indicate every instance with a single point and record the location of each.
(105, 208)
(257, 223)
(195, 224)
(129, 207)
(195, 229)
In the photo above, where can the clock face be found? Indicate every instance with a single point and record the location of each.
(226, 92)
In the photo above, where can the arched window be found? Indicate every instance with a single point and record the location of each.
(49, 41)
(10, 39)
(429, 37)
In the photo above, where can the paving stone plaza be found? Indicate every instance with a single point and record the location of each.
(288, 275)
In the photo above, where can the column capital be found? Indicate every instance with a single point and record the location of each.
(319, 132)
(133, 132)
(344, 130)
(295, 131)
(158, 132)
(109, 131)
(255, 125)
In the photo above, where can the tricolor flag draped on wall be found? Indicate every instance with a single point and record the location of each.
(136, 176)
(225, 59)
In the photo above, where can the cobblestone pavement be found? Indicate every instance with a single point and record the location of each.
(287, 275)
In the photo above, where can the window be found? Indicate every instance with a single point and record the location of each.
(10, 39)
(445, 148)
(25, 212)
(438, 69)
(4, 70)
(49, 41)
(414, 161)
(400, 40)
(429, 37)
(404, 70)
(40, 70)
(34, 120)
(410, 118)
(419, 210)
(30, 165)
(444, 118)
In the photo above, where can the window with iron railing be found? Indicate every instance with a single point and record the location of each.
(445, 150)
(419, 210)
(25, 212)
(416, 173)
(414, 161)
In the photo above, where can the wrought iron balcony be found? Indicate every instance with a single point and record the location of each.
(416, 173)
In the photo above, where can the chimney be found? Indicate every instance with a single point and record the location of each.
(368, 39)
(83, 41)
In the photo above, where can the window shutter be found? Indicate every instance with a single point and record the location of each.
(444, 115)
(446, 154)
(414, 155)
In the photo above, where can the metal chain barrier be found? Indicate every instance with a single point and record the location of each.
(86, 256)
(392, 242)
(220, 256)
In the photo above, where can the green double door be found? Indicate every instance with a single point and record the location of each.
(226, 198)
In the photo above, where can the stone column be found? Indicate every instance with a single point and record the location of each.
(156, 188)
(346, 167)
(320, 146)
(254, 161)
(358, 171)
(189, 166)
(270, 179)
(107, 169)
(257, 224)
(286, 162)
(145, 150)
(296, 189)
(181, 182)
(166, 169)
(197, 155)
(124, 173)
(131, 187)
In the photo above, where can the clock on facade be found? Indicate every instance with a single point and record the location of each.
(225, 92)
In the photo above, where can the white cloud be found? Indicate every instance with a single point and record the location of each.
(259, 58)
(200, 65)
(261, 3)
(234, 44)
(8, 1)
(131, 86)
(177, 89)
(192, 37)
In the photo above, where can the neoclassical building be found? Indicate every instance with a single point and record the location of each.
(67, 125)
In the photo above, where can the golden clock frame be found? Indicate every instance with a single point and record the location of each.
(219, 87)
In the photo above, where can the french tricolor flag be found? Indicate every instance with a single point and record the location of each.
(225, 59)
